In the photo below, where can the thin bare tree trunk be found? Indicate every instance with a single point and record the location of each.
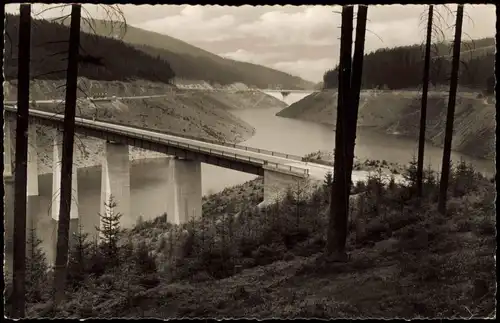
(356, 80)
(337, 229)
(423, 110)
(21, 162)
(445, 169)
(67, 157)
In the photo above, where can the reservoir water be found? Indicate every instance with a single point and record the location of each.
(148, 179)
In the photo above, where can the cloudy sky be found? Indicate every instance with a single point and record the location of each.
(300, 40)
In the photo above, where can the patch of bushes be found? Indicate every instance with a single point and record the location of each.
(389, 223)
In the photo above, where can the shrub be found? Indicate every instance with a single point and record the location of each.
(37, 277)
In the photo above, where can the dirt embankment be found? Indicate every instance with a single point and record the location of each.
(200, 114)
(398, 112)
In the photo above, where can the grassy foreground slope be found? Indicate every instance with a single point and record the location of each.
(399, 112)
(405, 261)
(191, 62)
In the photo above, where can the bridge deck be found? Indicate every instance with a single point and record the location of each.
(234, 157)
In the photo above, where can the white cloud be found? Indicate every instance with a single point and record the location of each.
(301, 40)
(312, 26)
(393, 33)
(191, 25)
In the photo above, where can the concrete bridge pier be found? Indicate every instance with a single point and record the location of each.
(115, 183)
(184, 190)
(32, 188)
(277, 183)
(8, 146)
(56, 184)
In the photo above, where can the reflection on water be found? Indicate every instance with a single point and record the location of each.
(149, 178)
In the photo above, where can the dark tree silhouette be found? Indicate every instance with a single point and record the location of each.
(337, 228)
(357, 73)
(91, 60)
(330, 79)
(67, 157)
(490, 85)
(446, 162)
(423, 110)
(21, 163)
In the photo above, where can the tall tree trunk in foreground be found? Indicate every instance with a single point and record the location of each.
(423, 110)
(339, 202)
(445, 169)
(67, 157)
(356, 80)
(21, 162)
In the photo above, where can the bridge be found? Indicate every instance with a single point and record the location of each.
(286, 93)
(184, 196)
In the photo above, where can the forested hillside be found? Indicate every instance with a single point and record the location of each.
(191, 62)
(402, 67)
(112, 57)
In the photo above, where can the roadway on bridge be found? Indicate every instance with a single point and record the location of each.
(316, 170)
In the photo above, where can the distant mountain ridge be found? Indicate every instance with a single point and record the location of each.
(191, 62)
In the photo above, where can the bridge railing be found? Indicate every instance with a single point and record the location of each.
(217, 142)
(293, 169)
(82, 122)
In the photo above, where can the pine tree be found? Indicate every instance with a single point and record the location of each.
(410, 174)
(423, 110)
(490, 85)
(36, 270)
(67, 156)
(79, 258)
(339, 204)
(327, 182)
(144, 262)
(96, 261)
(110, 232)
(327, 186)
(450, 116)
